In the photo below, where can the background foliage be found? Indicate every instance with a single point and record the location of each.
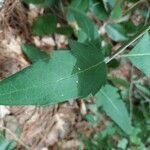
(84, 69)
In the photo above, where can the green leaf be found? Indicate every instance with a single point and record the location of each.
(116, 32)
(122, 143)
(79, 5)
(44, 25)
(108, 131)
(114, 63)
(98, 10)
(145, 12)
(96, 67)
(85, 24)
(56, 80)
(6, 144)
(91, 119)
(111, 3)
(106, 49)
(140, 54)
(143, 89)
(49, 2)
(117, 10)
(130, 28)
(81, 35)
(33, 53)
(120, 82)
(114, 107)
(65, 30)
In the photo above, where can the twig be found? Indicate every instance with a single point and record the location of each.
(133, 7)
(130, 93)
(14, 136)
(123, 48)
(147, 100)
(147, 16)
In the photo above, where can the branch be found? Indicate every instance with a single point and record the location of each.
(130, 42)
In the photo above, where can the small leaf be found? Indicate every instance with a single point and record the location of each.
(81, 35)
(143, 89)
(33, 53)
(117, 10)
(114, 107)
(111, 3)
(116, 32)
(114, 63)
(122, 143)
(120, 82)
(91, 119)
(79, 5)
(108, 131)
(6, 144)
(48, 3)
(85, 24)
(44, 25)
(140, 54)
(145, 12)
(106, 49)
(130, 28)
(65, 30)
(98, 10)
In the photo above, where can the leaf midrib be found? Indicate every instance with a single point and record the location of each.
(103, 93)
(136, 55)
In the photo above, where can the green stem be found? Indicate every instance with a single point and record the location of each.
(133, 7)
(130, 94)
(123, 48)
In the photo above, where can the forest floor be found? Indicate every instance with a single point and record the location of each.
(49, 127)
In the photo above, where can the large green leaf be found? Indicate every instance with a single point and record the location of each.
(33, 53)
(56, 80)
(42, 83)
(85, 24)
(114, 107)
(140, 54)
(92, 80)
(44, 25)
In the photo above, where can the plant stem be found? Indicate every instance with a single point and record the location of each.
(130, 94)
(14, 136)
(133, 7)
(123, 48)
